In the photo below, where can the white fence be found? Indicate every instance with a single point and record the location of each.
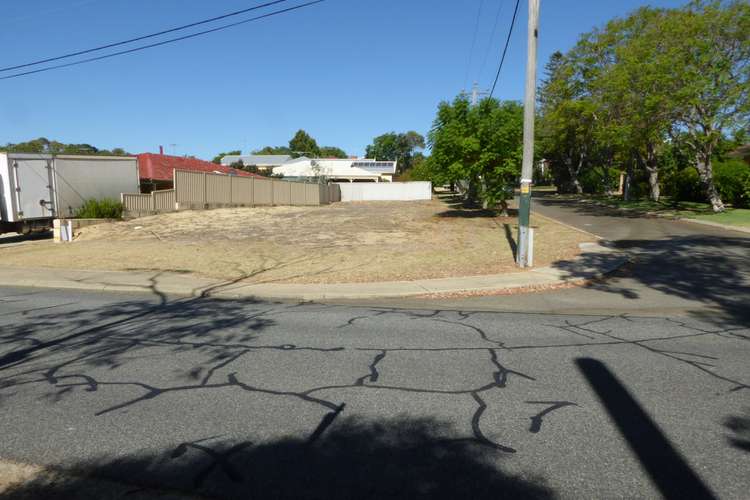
(385, 191)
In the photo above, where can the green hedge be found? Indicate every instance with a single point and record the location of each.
(598, 180)
(732, 179)
(106, 208)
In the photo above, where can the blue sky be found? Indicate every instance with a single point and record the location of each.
(344, 70)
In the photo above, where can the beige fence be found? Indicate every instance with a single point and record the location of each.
(199, 190)
(138, 205)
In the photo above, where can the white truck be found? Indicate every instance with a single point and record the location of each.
(37, 188)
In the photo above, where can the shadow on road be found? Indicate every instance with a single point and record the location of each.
(105, 336)
(739, 426)
(698, 264)
(714, 271)
(399, 458)
(667, 468)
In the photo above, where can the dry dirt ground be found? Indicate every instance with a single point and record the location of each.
(32, 482)
(343, 242)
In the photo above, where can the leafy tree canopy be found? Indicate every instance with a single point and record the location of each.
(400, 147)
(43, 145)
(273, 150)
(332, 152)
(480, 147)
(218, 157)
(302, 144)
(630, 93)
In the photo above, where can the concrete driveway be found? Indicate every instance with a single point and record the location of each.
(235, 399)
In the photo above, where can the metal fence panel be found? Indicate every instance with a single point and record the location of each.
(190, 187)
(136, 205)
(164, 200)
(218, 189)
(334, 193)
(312, 194)
(297, 193)
(282, 194)
(242, 191)
(262, 192)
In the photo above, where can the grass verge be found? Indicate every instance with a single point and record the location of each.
(683, 209)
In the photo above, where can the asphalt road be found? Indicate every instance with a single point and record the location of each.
(677, 268)
(273, 400)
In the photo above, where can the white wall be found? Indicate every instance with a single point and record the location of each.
(385, 191)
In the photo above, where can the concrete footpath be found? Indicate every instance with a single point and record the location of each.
(595, 260)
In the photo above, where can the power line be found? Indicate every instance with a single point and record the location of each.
(507, 42)
(492, 38)
(473, 42)
(144, 37)
(164, 42)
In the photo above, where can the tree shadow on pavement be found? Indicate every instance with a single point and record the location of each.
(105, 336)
(400, 458)
(739, 426)
(714, 271)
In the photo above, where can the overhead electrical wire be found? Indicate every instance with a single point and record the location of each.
(473, 43)
(144, 37)
(505, 49)
(163, 42)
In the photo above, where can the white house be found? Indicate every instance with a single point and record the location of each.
(335, 169)
(262, 162)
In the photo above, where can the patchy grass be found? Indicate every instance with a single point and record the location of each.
(339, 243)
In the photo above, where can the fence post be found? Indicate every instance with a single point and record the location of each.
(205, 194)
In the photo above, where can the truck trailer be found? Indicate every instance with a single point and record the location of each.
(37, 188)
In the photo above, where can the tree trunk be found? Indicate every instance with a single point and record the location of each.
(653, 183)
(503, 208)
(706, 174)
(472, 192)
(574, 174)
(653, 172)
(628, 181)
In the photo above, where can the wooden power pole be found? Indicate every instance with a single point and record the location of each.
(524, 255)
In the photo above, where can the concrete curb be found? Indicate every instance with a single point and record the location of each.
(595, 261)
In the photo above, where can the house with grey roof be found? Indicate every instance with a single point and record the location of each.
(261, 162)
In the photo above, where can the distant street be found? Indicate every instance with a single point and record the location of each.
(276, 400)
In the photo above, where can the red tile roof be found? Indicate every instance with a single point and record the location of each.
(161, 167)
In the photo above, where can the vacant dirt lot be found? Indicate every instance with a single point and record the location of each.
(344, 242)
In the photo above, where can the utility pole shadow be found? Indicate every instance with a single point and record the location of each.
(666, 467)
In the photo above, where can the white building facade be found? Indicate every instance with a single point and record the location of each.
(339, 170)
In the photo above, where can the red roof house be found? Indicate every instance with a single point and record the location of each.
(157, 170)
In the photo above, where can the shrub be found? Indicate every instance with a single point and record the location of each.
(732, 178)
(598, 180)
(106, 208)
(685, 185)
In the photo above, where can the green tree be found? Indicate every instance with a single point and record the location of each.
(567, 126)
(302, 144)
(273, 150)
(218, 157)
(396, 147)
(332, 152)
(644, 87)
(479, 147)
(43, 145)
(705, 53)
